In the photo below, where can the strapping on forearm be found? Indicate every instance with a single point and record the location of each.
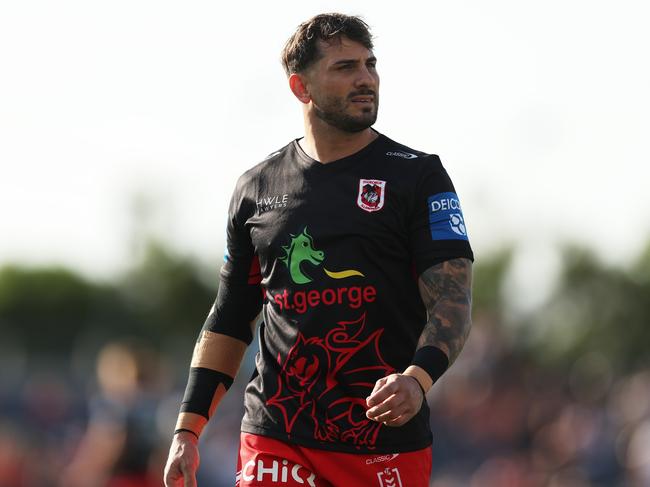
(431, 360)
(205, 389)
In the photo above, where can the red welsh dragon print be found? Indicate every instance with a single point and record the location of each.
(307, 384)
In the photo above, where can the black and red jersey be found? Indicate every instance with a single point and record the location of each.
(331, 254)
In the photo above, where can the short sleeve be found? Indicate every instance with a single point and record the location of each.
(239, 298)
(437, 227)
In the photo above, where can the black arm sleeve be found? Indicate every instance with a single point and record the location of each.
(239, 299)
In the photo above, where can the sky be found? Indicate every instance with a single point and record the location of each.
(124, 118)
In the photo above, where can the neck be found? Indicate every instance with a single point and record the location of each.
(326, 143)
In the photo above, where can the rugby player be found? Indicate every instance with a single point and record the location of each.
(354, 248)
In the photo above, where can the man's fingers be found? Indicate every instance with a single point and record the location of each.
(378, 385)
(388, 410)
(169, 482)
(393, 402)
(173, 478)
(399, 421)
(382, 391)
(189, 478)
(182, 465)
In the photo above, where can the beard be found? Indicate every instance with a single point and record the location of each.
(333, 111)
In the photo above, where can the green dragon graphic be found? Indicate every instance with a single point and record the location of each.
(302, 249)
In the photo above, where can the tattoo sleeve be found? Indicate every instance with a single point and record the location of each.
(446, 290)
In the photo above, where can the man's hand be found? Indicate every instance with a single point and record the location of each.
(394, 400)
(183, 461)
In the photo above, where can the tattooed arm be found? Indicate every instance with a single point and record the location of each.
(446, 290)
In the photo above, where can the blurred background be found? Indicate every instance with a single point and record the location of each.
(123, 128)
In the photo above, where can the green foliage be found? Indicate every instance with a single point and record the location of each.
(166, 293)
(47, 309)
(488, 277)
(640, 271)
(597, 308)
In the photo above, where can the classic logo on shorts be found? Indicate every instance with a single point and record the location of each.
(382, 458)
(371, 194)
(389, 477)
(446, 221)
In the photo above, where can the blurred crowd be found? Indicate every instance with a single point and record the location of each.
(499, 420)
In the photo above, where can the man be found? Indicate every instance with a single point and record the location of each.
(354, 247)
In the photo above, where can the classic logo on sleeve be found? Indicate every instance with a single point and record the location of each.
(371, 194)
(446, 220)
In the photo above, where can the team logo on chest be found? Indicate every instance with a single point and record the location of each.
(371, 194)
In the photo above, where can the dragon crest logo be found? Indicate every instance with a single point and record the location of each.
(371, 194)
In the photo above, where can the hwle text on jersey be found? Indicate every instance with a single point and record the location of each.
(272, 202)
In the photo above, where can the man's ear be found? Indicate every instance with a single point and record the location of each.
(299, 88)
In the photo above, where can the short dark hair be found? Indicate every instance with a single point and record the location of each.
(301, 50)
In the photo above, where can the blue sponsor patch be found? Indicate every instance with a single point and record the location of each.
(446, 220)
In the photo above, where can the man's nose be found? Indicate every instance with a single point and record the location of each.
(366, 78)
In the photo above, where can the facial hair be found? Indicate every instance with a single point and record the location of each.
(332, 111)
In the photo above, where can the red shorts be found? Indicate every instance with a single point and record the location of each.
(266, 462)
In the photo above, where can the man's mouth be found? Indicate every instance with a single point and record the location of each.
(363, 98)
